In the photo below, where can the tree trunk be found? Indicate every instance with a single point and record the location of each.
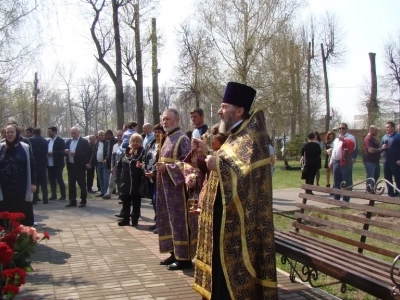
(119, 88)
(156, 101)
(372, 107)
(139, 70)
(328, 110)
(293, 93)
(308, 125)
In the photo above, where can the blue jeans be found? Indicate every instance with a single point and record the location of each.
(390, 170)
(104, 176)
(340, 174)
(373, 170)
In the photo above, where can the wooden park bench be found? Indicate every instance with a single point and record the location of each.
(356, 244)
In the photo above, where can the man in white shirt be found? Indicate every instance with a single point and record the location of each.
(148, 131)
(56, 163)
(98, 161)
(342, 172)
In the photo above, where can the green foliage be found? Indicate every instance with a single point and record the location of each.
(294, 146)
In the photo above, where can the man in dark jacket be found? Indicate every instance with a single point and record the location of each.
(109, 136)
(56, 163)
(77, 154)
(99, 160)
(39, 149)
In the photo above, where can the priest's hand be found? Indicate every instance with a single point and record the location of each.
(211, 162)
(160, 167)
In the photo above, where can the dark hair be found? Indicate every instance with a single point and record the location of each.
(52, 128)
(328, 134)
(29, 129)
(391, 124)
(36, 131)
(348, 127)
(317, 135)
(197, 110)
(110, 132)
(311, 135)
(159, 127)
(132, 125)
(17, 136)
(189, 134)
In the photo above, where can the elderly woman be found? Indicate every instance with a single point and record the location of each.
(149, 162)
(17, 176)
(129, 175)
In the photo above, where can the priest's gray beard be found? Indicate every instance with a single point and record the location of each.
(226, 123)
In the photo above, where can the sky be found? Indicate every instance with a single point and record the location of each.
(367, 24)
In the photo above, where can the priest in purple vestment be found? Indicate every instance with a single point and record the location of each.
(172, 210)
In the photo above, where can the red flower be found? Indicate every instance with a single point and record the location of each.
(46, 235)
(4, 215)
(10, 238)
(10, 288)
(17, 216)
(6, 254)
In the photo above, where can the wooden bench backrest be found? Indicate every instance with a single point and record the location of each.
(360, 220)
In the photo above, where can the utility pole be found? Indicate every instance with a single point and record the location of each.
(35, 94)
(155, 71)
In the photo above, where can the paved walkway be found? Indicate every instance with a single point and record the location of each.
(90, 257)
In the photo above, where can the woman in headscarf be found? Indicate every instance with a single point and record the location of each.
(17, 176)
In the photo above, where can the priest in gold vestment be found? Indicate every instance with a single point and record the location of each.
(235, 256)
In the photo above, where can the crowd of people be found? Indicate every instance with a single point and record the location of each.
(211, 191)
(340, 154)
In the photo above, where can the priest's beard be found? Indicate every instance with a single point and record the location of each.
(226, 123)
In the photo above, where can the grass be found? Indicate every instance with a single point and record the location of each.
(285, 179)
(284, 223)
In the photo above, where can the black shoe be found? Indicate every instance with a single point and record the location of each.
(155, 231)
(123, 223)
(62, 199)
(91, 192)
(120, 202)
(180, 265)
(45, 202)
(100, 195)
(71, 205)
(39, 200)
(53, 198)
(82, 205)
(170, 260)
(135, 223)
(328, 185)
(119, 215)
(153, 227)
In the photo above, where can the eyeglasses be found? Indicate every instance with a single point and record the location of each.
(342, 128)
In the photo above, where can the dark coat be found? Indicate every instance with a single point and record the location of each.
(93, 160)
(128, 175)
(82, 152)
(39, 147)
(58, 152)
(111, 144)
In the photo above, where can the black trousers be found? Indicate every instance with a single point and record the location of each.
(136, 201)
(90, 178)
(76, 174)
(41, 179)
(56, 176)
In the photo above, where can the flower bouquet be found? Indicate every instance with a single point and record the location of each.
(17, 243)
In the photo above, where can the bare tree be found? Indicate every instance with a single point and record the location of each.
(194, 61)
(67, 77)
(392, 62)
(107, 38)
(17, 48)
(332, 50)
(242, 29)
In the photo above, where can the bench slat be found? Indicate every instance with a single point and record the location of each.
(352, 194)
(341, 264)
(334, 225)
(358, 280)
(339, 255)
(346, 240)
(362, 220)
(361, 207)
